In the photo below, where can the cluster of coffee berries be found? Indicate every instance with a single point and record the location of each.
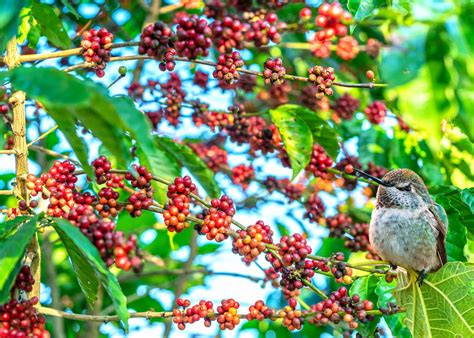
(292, 277)
(243, 175)
(345, 106)
(156, 40)
(323, 78)
(56, 185)
(214, 156)
(193, 37)
(250, 242)
(293, 191)
(174, 94)
(227, 316)
(273, 72)
(143, 177)
(218, 218)
(226, 67)
(332, 18)
(213, 119)
(320, 48)
(314, 208)
(339, 269)
(191, 314)
(126, 252)
(338, 225)
(24, 280)
(21, 319)
(376, 112)
(292, 318)
(138, 201)
(373, 47)
(259, 311)
(348, 164)
(247, 83)
(201, 79)
(320, 162)
(308, 98)
(293, 249)
(102, 167)
(107, 204)
(390, 309)
(347, 48)
(264, 30)
(96, 47)
(228, 34)
(340, 307)
(177, 209)
(136, 90)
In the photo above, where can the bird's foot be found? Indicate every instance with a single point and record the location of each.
(393, 266)
(421, 277)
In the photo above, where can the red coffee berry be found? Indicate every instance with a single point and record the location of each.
(348, 183)
(305, 14)
(370, 75)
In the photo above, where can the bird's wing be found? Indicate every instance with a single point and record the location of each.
(441, 227)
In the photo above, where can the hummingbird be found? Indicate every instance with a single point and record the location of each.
(407, 227)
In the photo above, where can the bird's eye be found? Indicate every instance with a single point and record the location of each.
(405, 188)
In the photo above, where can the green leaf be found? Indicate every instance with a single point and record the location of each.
(9, 227)
(208, 248)
(365, 287)
(10, 13)
(401, 62)
(460, 216)
(70, 8)
(296, 136)
(67, 99)
(188, 158)
(90, 269)
(442, 306)
(51, 25)
(12, 250)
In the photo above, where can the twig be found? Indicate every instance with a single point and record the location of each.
(314, 288)
(54, 154)
(369, 85)
(6, 192)
(7, 152)
(42, 136)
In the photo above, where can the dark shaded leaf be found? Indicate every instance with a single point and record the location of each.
(12, 250)
(90, 269)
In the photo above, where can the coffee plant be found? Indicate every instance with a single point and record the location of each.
(215, 168)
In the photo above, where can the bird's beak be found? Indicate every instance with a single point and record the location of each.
(370, 177)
